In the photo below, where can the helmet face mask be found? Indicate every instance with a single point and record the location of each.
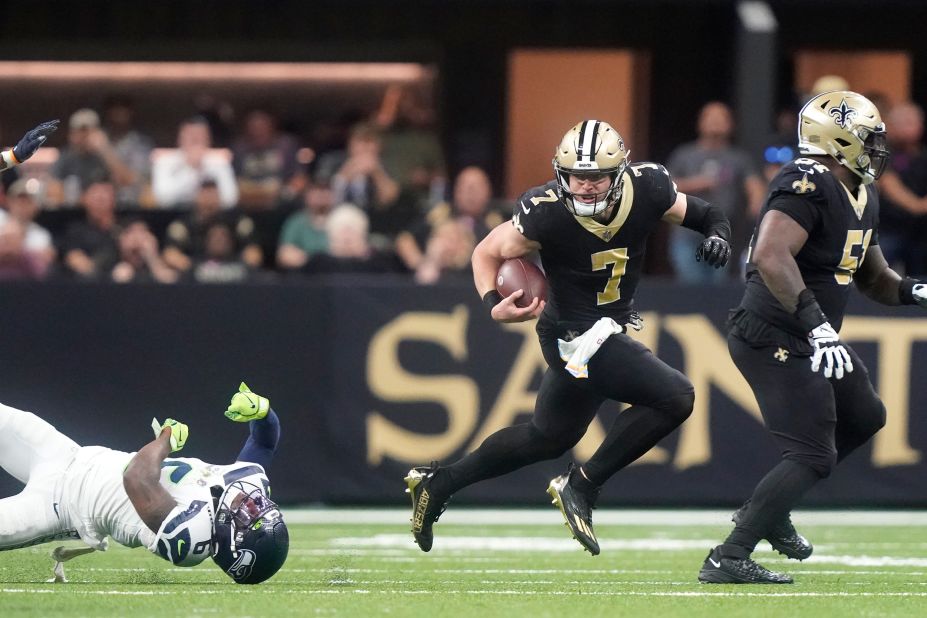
(848, 127)
(590, 149)
(251, 540)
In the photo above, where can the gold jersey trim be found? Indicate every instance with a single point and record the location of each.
(608, 231)
(858, 203)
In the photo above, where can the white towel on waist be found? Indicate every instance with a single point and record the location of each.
(578, 351)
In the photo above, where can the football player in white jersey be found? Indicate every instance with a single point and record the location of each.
(182, 509)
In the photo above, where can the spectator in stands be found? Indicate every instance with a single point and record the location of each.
(472, 206)
(447, 252)
(303, 234)
(412, 152)
(88, 158)
(176, 176)
(16, 262)
(349, 249)
(714, 170)
(357, 174)
(902, 188)
(264, 162)
(139, 258)
(22, 204)
(132, 147)
(220, 262)
(186, 237)
(89, 246)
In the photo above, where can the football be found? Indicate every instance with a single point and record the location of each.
(521, 274)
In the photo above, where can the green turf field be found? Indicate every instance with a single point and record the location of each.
(364, 564)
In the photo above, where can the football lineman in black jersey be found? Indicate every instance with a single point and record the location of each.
(590, 226)
(817, 232)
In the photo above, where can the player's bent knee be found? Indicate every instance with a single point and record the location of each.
(822, 463)
(678, 407)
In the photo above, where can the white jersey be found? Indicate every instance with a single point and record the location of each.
(97, 504)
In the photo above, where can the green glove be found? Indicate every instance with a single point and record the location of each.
(179, 432)
(247, 406)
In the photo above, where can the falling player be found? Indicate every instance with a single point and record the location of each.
(182, 509)
(590, 226)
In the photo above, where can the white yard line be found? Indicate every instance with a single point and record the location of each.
(626, 517)
(537, 593)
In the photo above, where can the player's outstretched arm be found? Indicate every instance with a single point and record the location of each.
(502, 243)
(27, 146)
(878, 281)
(249, 407)
(142, 478)
(697, 214)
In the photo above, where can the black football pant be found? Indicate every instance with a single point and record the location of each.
(815, 421)
(624, 370)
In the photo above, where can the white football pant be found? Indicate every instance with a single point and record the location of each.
(36, 454)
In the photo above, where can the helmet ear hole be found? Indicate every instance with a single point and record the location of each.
(842, 142)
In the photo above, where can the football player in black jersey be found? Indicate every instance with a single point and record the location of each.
(590, 225)
(817, 232)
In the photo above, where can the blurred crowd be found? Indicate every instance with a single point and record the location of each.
(244, 200)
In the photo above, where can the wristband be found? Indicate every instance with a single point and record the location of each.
(491, 299)
(808, 312)
(906, 291)
(9, 158)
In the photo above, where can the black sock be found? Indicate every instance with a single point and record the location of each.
(773, 499)
(634, 432)
(506, 450)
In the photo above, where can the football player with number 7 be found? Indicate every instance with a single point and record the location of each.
(590, 226)
(816, 234)
(182, 509)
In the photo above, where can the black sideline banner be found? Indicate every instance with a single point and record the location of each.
(372, 376)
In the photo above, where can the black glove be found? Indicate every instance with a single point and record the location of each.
(634, 321)
(33, 139)
(714, 251)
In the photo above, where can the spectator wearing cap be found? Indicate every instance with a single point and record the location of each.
(186, 237)
(88, 158)
(89, 246)
(131, 146)
(176, 176)
(16, 262)
(264, 160)
(22, 204)
(303, 233)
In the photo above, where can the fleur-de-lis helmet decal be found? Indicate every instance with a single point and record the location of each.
(848, 127)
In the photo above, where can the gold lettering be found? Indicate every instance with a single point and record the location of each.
(390, 382)
(516, 398)
(707, 363)
(892, 445)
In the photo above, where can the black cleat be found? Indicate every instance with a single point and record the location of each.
(426, 508)
(719, 569)
(782, 536)
(576, 506)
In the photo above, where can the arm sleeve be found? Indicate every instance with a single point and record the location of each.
(706, 218)
(261, 445)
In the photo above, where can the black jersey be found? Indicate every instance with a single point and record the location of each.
(593, 268)
(841, 227)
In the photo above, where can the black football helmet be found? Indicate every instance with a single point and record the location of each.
(250, 538)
